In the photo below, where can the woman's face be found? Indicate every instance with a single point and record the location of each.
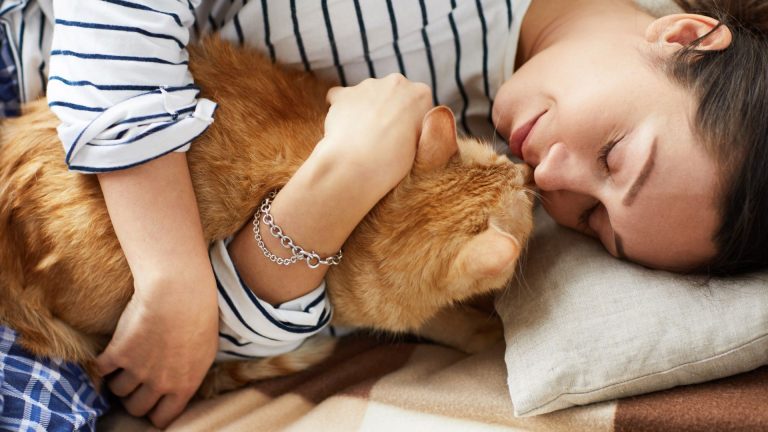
(613, 149)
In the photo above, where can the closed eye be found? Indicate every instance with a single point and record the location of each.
(602, 155)
(585, 215)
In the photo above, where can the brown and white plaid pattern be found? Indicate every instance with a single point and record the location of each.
(373, 386)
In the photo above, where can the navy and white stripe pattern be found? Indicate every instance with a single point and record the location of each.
(116, 72)
(120, 84)
(28, 26)
(250, 327)
(118, 68)
(10, 100)
(463, 49)
(39, 394)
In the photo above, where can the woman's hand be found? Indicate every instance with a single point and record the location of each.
(164, 343)
(167, 336)
(374, 127)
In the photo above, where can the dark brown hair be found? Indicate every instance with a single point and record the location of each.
(732, 121)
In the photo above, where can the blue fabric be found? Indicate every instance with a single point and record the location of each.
(10, 104)
(39, 394)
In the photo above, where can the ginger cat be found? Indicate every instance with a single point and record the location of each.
(452, 229)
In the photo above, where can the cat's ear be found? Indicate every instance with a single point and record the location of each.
(437, 143)
(491, 254)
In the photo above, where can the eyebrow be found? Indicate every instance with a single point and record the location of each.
(629, 198)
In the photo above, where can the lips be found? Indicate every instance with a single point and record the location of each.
(518, 138)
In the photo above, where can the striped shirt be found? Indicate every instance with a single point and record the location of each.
(115, 72)
(251, 327)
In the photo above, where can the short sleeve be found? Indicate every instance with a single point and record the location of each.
(119, 81)
(250, 327)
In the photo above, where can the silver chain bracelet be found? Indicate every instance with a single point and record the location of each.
(312, 259)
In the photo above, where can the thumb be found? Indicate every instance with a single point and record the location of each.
(333, 94)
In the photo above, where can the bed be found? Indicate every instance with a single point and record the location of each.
(591, 344)
(370, 385)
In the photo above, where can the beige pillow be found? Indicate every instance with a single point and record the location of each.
(582, 326)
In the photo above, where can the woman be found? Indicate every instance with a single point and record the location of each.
(634, 137)
(643, 148)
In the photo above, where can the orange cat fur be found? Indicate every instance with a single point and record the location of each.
(452, 229)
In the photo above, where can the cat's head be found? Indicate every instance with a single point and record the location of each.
(455, 227)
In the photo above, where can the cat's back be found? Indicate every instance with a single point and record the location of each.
(268, 120)
(247, 80)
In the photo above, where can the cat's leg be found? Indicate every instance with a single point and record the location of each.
(232, 375)
(463, 327)
(43, 334)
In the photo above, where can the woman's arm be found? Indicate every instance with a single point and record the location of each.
(369, 146)
(371, 133)
(166, 338)
(120, 85)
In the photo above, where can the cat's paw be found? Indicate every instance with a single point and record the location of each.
(464, 328)
(231, 375)
(487, 332)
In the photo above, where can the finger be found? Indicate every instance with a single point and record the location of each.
(333, 94)
(123, 384)
(105, 363)
(396, 77)
(140, 402)
(169, 407)
(422, 97)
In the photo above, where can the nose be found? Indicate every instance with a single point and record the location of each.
(561, 169)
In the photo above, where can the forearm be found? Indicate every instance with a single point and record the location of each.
(371, 132)
(139, 104)
(154, 213)
(318, 208)
(166, 337)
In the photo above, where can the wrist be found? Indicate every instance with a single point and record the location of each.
(154, 214)
(365, 175)
(326, 199)
(318, 209)
(188, 274)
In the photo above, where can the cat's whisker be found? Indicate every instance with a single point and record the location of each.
(518, 284)
(543, 199)
(521, 262)
(532, 193)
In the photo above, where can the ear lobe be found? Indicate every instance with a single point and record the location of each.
(492, 253)
(437, 143)
(681, 30)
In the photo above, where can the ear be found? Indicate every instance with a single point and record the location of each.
(680, 30)
(490, 254)
(437, 143)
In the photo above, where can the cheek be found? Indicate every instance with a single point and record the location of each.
(564, 207)
(508, 101)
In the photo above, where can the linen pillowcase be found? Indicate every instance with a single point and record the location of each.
(582, 326)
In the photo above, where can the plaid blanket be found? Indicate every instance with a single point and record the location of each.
(43, 395)
(374, 386)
